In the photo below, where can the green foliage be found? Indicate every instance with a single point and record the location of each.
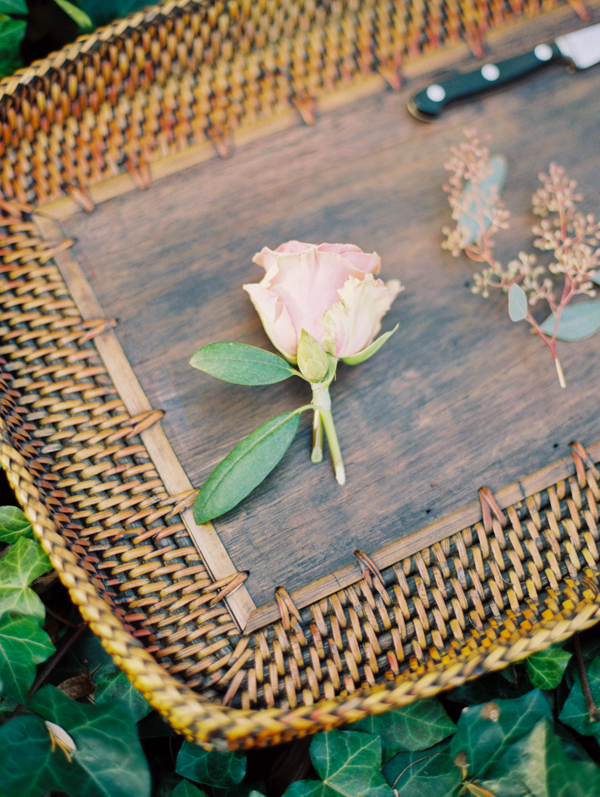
(12, 32)
(577, 321)
(547, 667)
(13, 7)
(245, 467)
(575, 712)
(348, 763)
(423, 774)
(23, 645)
(116, 686)
(101, 12)
(104, 757)
(186, 789)
(210, 766)
(242, 364)
(416, 727)
(13, 524)
(23, 563)
(361, 356)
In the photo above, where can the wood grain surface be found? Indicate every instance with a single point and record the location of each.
(459, 398)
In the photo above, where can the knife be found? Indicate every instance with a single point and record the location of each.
(581, 48)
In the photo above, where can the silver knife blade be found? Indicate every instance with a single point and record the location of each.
(582, 47)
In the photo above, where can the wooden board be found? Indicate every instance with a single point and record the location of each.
(459, 398)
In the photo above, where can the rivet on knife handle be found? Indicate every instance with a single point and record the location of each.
(431, 101)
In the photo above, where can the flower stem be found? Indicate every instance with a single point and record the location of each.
(334, 446)
(317, 441)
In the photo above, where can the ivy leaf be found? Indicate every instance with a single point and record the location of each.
(23, 563)
(13, 7)
(13, 524)
(356, 359)
(245, 467)
(242, 364)
(23, 645)
(495, 180)
(116, 685)
(212, 767)
(492, 686)
(85, 655)
(484, 732)
(186, 789)
(348, 763)
(537, 765)
(546, 668)
(575, 712)
(104, 11)
(429, 772)
(12, 32)
(77, 15)
(577, 321)
(416, 727)
(517, 303)
(108, 760)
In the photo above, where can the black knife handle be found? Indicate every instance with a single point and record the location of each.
(432, 100)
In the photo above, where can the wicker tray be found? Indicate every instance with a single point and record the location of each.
(260, 629)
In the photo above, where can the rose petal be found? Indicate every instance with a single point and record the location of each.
(368, 263)
(353, 322)
(275, 319)
(267, 257)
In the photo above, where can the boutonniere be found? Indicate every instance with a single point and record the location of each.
(319, 305)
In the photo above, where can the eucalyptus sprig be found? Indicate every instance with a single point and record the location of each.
(571, 237)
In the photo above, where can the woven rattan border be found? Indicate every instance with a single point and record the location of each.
(114, 103)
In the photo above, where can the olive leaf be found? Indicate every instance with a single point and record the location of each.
(23, 563)
(468, 222)
(361, 356)
(245, 467)
(242, 364)
(577, 321)
(517, 303)
(23, 645)
(415, 727)
(348, 763)
(546, 668)
(13, 524)
(212, 767)
(76, 14)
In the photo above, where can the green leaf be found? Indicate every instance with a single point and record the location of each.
(517, 303)
(86, 653)
(547, 667)
(13, 7)
(429, 773)
(245, 467)
(12, 32)
(484, 732)
(76, 14)
(104, 11)
(492, 686)
(23, 563)
(577, 321)
(495, 180)
(23, 645)
(241, 364)
(116, 685)
(108, 760)
(13, 524)
(186, 789)
(416, 727)
(215, 768)
(575, 712)
(348, 763)
(356, 359)
(537, 765)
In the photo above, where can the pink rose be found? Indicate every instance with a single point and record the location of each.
(327, 290)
